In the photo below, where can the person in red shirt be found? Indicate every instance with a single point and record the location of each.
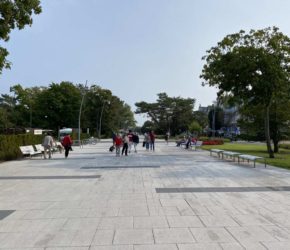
(67, 142)
(118, 143)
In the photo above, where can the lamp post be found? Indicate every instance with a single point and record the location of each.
(101, 115)
(80, 112)
(30, 114)
(213, 121)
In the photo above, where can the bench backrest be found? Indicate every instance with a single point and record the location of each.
(39, 147)
(24, 150)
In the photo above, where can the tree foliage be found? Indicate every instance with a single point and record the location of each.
(172, 114)
(14, 14)
(253, 68)
(252, 121)
(194, 127)
(216, 118)
(58, 105)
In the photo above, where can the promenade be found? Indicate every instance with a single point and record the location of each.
(170, 199)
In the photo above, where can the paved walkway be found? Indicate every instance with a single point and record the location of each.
(94, 200)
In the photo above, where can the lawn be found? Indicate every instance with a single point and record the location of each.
(282, 159)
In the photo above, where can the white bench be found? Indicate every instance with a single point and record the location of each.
(216, 151)
(197, 145)
(230, 154)
(251, 158)
(29, 151)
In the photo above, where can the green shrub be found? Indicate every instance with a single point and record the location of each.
(9, 145)
(284, 146)
(203, 138)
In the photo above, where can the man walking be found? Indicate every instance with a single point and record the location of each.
(135, 141)
(47, 145)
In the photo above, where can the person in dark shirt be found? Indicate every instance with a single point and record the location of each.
(135, 141)
(152, 140)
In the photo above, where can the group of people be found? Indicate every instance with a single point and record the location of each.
(48, 144)
(126, 142)
(149, 141)
(187, 141)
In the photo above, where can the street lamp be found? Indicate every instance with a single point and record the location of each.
(80, 112)
(30, 114)
(101, 115)
(213, 121)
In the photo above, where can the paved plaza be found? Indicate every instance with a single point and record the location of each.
(170, 199)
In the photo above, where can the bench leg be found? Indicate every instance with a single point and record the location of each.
(254, 163)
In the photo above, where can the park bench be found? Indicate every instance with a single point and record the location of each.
(251, 158)
(39, 148)
(230, 154)
(197, 145)
(216, 151)
(29, 151)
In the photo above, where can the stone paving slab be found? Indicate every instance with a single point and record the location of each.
(239, 207)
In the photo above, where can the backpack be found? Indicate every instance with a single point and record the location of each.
(111, 149)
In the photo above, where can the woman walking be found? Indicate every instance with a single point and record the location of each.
(67, 142)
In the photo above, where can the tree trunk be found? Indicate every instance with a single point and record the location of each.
(267, 132)
(276, 146)
(275, 138)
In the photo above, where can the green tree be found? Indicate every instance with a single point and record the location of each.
(252, 121)
(102, 105)
(194, 127)
(168, 113)
(147, 127)
(252, 68)
(216, 118)
(58, 106)
(14, 14)
(201, 118)
(8, 114)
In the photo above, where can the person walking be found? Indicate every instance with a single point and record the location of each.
(47, 145)
(125, 145)
(167, 137)
(135, 141)
(67, 143)
(118, 143)
(146, 141)
(152, 140)
(130, 137)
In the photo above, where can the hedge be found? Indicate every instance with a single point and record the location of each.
(9, 145)
(284, 146)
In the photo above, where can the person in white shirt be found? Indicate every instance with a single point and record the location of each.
(47, 145)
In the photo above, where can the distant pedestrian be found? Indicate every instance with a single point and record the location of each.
(125, 144)
(167, 137)
(146, 141)
(67, 143)
(130, 137)
(47, 145)
(113, 137)
(135, 141)
(118, 144)
(152, 140)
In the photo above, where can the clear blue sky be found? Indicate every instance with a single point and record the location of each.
(135, 48)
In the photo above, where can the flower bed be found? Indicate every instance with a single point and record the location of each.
(213, 142)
